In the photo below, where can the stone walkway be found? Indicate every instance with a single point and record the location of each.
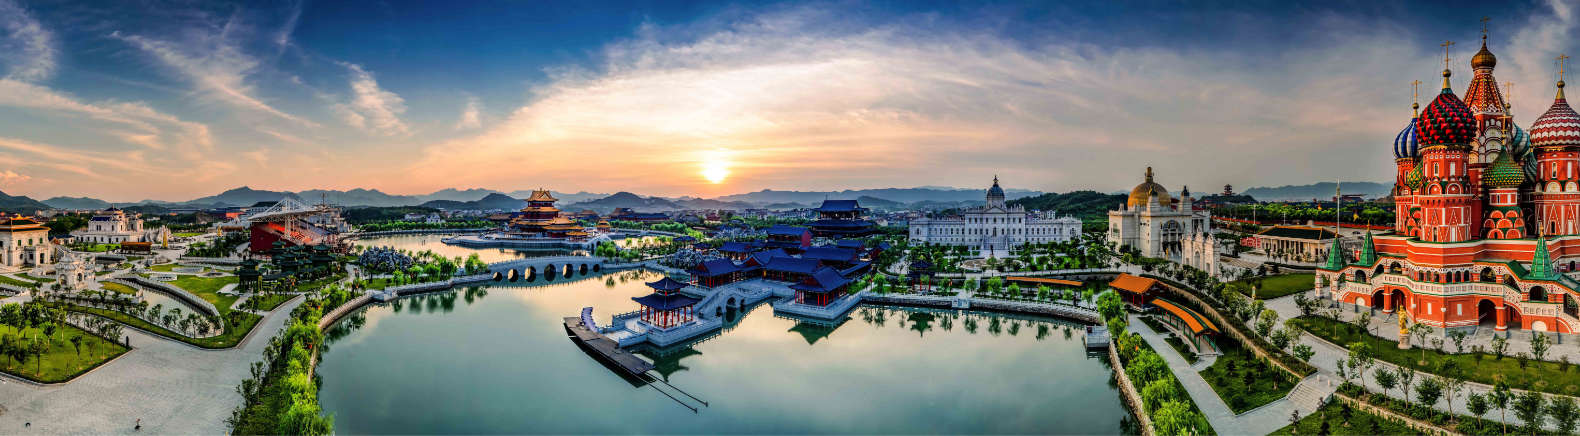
(172, 387)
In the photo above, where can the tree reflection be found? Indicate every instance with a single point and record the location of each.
(971, 325)
(948, 323)
(995, 326)
(1042, 331)
(1014, 328)
(921, 322)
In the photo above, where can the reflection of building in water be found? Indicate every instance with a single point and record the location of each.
(813, 330)
(668, 362)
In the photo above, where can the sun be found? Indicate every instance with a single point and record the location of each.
(715, 171)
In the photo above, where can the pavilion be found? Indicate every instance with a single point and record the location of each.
(821, 287)
(841, 219)
(735, 250)
(716, 272)
(1195, 328)
(666, 308)
(792, 239)
(830, 256)
(789, 269)
(1137, 291)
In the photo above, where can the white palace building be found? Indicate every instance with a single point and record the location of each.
(994, 228)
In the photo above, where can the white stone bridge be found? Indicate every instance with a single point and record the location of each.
(552, 266)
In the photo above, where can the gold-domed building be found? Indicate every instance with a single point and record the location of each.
(1155, 223)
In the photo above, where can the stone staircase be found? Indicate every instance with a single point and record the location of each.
(1308, 396)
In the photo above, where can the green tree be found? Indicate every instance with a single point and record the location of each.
(1562, 408)
(1478, 405)
(1385, 379)
(1530, 408)
(1500, 397)
(1361, 358)
(1428, 391)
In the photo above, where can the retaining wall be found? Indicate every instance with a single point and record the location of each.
(1128, 391)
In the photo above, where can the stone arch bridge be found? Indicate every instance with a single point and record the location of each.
(529, 268)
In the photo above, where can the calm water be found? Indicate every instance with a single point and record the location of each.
(496, 360)
(435, 244)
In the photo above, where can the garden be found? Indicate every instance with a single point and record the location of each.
(46, 345)
(1339, 419)
(1274, 286)
(1241, 378)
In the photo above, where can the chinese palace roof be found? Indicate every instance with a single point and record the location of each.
(822, 280)
(666, 284)
(714, 267)
(792, 265)
(840, 206)
(666, 302)
(1295, 232)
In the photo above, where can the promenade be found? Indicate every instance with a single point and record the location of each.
(172, 387)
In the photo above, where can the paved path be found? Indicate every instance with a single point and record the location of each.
(173, 387)
(1218, 413)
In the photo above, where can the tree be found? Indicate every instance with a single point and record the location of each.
(1176, 417)
(1267, 320)
(1540, 343)
(1530, 408)
(1563, 409)
(1385, 379)
(1500, 347)
(1428, 391)
(1406, 378)
(1459, 339)
(1421, 331)
(1500, 398)
(1478, 404)
(1304, 352)
(1361, 358)
(1452, 386)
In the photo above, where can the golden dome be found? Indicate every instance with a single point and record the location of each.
(1483, 58)
(1144, 191)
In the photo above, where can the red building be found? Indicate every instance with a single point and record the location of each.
(1472, 193)
(821, 287)
(666, 307)
(1136, 291)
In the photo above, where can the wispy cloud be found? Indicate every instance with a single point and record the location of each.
(8, 177)
(214, 64)
(377, 110)
(29, 47)
(471, 116)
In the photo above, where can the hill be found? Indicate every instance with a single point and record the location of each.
(625, 199)
(356, 197)
(490, 201)
(1321, 191)
(902, 195)
(243, 196)
(77, 203)
(1086, 205)
(21, 204)
(453, 194)
(563, 197)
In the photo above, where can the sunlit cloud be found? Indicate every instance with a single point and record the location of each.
(28, 47)
(376, 109)
(471, 116)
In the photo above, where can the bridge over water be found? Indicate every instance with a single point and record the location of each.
(550, 266)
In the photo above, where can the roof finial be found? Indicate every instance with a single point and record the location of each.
(1415, 102)
(1446, 72)
(1149, 174)
(1484, 29)
(1561, 71)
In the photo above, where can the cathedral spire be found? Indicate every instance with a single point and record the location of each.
(1541, 262)
(1335, 255)
(1368, 251)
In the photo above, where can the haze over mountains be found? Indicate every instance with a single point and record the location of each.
(478, 198)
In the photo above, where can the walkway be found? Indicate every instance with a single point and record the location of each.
(173, 387)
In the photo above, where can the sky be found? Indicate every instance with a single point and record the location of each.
(132, 100)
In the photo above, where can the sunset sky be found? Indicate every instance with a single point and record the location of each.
(175, 100)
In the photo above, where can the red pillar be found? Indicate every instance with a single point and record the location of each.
(1503, 323)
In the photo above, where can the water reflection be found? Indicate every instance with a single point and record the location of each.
(501, 363)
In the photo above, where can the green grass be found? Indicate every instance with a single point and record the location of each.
(187, 234)
(34, 279)
(1230, 383)
(11, 281)
(1179, 345)
(97, 248)
(62, 362)
(1277, 286)
(268, 303)
(169, 267)
(117, 287)
(227, 340)
(1361, 423)
(1547, 377)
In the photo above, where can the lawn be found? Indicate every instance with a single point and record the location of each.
(268, 303)
(1547, 377)
(11, 281)
(1179, 345)
(208, 288)
(227, 340)
(1360, 423)
(1237, 366)
(1277, 286)
(97, 248)
(63, 361)
(187, 235)
(169, 267)
(33, 279)
(117, 287)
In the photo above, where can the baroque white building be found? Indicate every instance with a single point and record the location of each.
(1154, 223)
(993, 228)
(113, 226)
(24, 242)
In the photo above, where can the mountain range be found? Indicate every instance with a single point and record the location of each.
(1321, 191)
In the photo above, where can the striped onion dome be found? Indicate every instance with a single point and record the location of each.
(1503, 173)
(1416, 178)
(1559, 126)
(1519, 142)
(1406, 145)
(1447, 121)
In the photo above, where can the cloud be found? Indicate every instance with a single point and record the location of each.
(140, 116)
(28, 46)
(213, 63)
(376, 109)
(8, 177)
(471, 115)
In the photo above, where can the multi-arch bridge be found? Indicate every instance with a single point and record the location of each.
(529, 268)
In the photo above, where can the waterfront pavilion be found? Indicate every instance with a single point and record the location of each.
(665, 308)
(821, 287)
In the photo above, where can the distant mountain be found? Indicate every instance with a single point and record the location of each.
(147, 209)
(563, 197)
(902, 195)
(491, 201)
(704, 203)
(243, 196)
(357, 197)
(77, 203)
(876, 203)
(21, 204)
(453, 194)
(1086, 205)
(625, 199)
(1321, 191)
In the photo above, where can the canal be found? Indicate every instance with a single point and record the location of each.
(496, 360)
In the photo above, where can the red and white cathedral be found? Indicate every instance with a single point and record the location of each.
(1487, 217)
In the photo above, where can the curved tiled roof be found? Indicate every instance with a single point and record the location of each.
(1406, 145)
(1446, 121)
(1560, 125)
(1197, 323)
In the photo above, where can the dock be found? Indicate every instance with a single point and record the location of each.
(607, 349)
(1097, 337)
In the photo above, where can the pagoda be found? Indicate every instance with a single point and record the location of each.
(539, 215)
(666, 308)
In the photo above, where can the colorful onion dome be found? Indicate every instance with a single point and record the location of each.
(1406, 146)
(1446, 121)
(1416, 178)
(1483, 58)
(1559, 126)
(1503, 173)
(1519, 142)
